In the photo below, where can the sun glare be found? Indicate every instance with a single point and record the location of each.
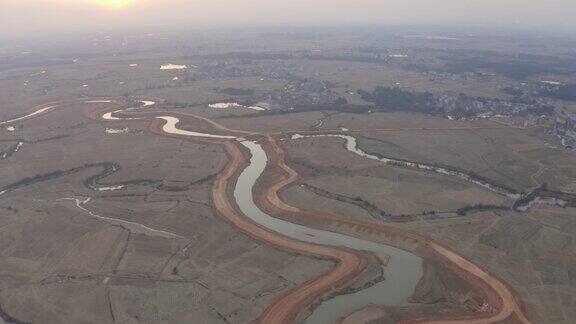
(115, 4)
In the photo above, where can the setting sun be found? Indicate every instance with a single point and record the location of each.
(115, 4)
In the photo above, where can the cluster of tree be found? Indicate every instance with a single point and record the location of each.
(15, 210)
(248, 56)
(30, 61)
(339, 105)
(513, 92)
(562, 92)
(341, 101)
(349, 58)
(478, 208)
(54, 174)
(237, 92)
(541, 110)
(517, 68)
(394, 98)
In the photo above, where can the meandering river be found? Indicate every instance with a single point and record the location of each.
(352, 146)
(403, 270)
(110, 115)
(402, 273)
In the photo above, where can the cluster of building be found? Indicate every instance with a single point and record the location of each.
(459, 106)
(564, 128)
(304, 93)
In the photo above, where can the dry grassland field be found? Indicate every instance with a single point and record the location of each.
(288, 176)
(176, 262)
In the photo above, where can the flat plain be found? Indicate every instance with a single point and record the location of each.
(105, 221)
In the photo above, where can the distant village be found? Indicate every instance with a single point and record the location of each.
(530, 103)
(564, 128)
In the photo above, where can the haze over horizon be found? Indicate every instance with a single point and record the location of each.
(28, 17)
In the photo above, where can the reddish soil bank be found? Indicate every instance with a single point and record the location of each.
(349, 264)
(504, 304)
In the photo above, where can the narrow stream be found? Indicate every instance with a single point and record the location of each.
(37, 112)
(134, 227)
(552, 201)
(110, 115)
(352, 146)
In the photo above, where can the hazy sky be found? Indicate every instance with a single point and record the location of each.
(30, 16)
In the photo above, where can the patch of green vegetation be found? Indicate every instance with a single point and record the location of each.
(392, 99)
(237, 92)
(564, 92)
